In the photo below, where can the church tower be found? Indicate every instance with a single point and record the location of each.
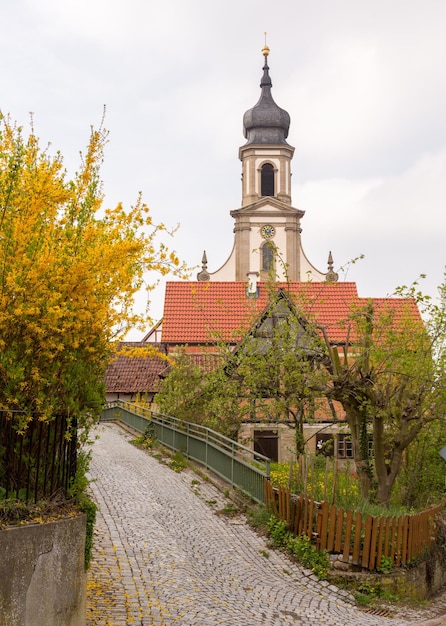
(267, 231)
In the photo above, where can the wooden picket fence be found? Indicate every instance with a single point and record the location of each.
(361, 539)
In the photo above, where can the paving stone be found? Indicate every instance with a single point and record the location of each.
(164, 556)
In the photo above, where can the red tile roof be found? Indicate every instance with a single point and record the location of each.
(400, 310)
(397, 306)
(196, 312)
(133, 374)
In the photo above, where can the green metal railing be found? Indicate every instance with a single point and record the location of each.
(240, 466)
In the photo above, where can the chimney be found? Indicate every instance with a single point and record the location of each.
(252, 290)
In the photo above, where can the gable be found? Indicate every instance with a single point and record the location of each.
(268, 206)
(281, 319)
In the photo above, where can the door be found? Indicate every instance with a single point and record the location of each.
(266, 442)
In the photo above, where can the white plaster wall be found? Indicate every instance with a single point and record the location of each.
(308, 273)
(227, 271)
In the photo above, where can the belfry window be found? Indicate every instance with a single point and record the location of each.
(267, 177)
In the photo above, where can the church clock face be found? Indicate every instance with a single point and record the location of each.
(267, 231)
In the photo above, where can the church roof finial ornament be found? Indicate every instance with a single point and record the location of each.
(331, 276)
(265, 49)
(204, 274)
(266, 123)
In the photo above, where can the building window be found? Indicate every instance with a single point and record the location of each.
(267, 256)
(340, 446)
(267, 177)
(345, 447)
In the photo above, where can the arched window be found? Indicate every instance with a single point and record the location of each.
(267, 256)
(267, 174)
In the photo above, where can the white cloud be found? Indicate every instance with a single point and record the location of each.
(363, 82)
(398, 222)
(337, 96)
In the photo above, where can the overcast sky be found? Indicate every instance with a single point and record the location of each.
(364, 82)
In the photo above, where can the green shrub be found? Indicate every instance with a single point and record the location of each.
(385, 566)
(78, 491)
(277, 531)
(309, 556)
(147, 440)
(299, 547)
(88, 507)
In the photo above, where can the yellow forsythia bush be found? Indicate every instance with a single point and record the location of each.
(69, 271)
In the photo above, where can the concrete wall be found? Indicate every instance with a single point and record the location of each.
(42, 575)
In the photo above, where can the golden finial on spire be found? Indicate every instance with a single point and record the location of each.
(265, 49)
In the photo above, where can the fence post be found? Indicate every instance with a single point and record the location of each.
(357, 540)
(323, 524)
(348, 533)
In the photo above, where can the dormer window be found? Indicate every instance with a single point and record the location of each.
(267, 178)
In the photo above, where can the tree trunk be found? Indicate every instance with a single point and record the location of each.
(388, 462)
(355, 418)
(386, 476)
(362, 469)
(299, 432)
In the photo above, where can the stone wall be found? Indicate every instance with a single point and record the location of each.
(421, 581)
(286, 436)
(42, 574)
(417, 582)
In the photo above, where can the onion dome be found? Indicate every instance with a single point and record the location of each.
(266, 123)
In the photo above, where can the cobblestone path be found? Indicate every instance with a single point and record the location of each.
(164, 556)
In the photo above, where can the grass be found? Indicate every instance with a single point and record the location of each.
(317, 478)
(258, 517)
(177, 462)
(230, 510)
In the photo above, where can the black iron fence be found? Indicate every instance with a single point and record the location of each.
(39, 460)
